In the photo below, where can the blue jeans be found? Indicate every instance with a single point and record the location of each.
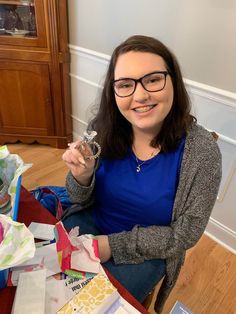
(138, 279)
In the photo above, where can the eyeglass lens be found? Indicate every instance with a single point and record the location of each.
(152, 83)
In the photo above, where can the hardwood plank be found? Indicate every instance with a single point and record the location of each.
(207, 280)
(48, 167)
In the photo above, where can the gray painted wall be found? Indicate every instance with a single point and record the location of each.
(201, 33)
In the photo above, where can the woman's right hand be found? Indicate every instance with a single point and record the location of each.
(81, 168)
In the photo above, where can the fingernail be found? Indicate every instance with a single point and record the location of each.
(81, 160)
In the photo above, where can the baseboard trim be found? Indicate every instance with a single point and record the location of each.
(222, 235)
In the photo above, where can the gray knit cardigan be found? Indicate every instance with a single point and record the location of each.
(199, 181)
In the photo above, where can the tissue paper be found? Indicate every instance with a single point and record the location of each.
(11, 167)
(76, 252)
(17, 243)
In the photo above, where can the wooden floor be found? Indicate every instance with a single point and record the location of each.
(207, 283)
(47, 168)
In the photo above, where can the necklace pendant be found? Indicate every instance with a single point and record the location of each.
(138, 168)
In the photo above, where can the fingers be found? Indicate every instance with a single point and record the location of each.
(77, 157)
(80, 167)
(84, 149)
(71, 156)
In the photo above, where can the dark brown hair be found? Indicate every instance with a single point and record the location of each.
(114, 131)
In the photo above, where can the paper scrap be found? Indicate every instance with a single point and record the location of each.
(47, 256)
(59, 292)
(56, 295)
(81, 260)
(30, 293)
(121, 306)
(42, 231)
(180, 308)
(75, 252)
(14, 274)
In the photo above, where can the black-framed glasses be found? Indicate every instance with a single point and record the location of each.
(151, 82)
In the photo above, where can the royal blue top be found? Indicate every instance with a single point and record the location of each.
(125, 197)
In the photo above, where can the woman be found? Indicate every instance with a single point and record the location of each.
(151, 193)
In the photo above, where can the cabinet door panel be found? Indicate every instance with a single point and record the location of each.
(23, 23)
(25, 99)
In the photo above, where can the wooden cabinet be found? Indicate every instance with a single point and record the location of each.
(35, 103)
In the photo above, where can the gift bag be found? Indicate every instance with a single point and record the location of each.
(11, 169)
(54, 198)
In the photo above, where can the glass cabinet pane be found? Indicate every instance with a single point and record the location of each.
(17, 19)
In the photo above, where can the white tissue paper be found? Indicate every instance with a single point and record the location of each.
(12, 167)
(17, 243)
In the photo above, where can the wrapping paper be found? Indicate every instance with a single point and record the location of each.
(11, 166)
(17, 243)
(75, 252)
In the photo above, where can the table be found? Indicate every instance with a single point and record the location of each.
(31, 210)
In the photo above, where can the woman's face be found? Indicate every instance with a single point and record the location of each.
(145, 110)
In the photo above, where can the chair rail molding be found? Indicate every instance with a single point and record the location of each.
(210, 92)
(214, 108)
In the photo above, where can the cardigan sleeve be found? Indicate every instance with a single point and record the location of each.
(79, 194)
(196, 195)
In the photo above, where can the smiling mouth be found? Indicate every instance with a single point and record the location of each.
(144, 108)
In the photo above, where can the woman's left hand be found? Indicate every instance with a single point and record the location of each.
(104, 248)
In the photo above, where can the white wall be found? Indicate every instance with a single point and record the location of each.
(201, 33)
(215, 108)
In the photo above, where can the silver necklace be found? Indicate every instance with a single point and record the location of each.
(138, 167)
(139, 164)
